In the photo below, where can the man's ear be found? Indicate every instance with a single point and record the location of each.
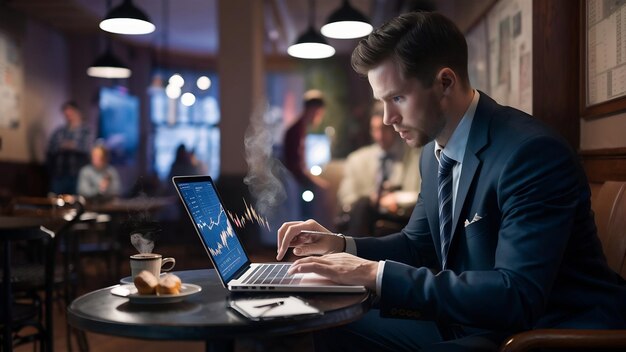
(447, 79)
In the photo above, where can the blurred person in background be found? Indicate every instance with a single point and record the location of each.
(99, 179)
(293, 146)
(68, 150)
(184, 164)
(294, 160)
(379, 179)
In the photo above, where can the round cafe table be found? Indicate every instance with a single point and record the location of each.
(206, 315)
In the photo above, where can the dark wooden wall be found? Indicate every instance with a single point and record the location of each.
(29, 179)
(604, 164)
(556, 65)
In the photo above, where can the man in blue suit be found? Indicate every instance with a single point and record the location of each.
(502, 238)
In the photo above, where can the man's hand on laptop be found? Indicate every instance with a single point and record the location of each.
(342, 268)
(307, 238)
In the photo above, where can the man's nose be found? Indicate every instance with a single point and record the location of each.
(390, 117)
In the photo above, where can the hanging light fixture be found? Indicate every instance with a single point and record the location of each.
(127, 19)
(311, 44)
(108, 65)
(346, 23)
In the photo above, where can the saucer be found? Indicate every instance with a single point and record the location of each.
(130, 291)
(129, 280)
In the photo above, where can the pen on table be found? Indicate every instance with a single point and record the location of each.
(271, 305)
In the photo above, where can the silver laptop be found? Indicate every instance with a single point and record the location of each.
(222, 244)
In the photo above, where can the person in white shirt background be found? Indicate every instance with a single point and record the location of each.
(379, 179)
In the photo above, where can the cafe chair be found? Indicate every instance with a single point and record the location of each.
(35, 268)
(610, 213)
(65, 208)
(92, 238)
(27, 280)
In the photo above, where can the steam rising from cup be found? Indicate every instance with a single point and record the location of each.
(143, 236)
(141, 242)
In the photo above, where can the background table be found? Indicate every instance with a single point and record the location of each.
(205, 316)
(130, 205)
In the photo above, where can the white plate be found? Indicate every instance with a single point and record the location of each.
(129, 280)
(130, 291)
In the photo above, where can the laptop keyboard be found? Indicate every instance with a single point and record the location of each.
(272, 274)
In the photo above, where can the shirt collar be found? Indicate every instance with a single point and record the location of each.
(455, 149)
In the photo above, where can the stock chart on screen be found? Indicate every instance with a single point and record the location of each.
(212, 222)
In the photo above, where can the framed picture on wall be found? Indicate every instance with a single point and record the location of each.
(603, 54)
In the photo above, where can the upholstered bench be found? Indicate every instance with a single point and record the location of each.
(609, 206)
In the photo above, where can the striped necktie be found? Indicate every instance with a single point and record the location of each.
(445, 204)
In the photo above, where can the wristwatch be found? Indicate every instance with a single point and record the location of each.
(344, 240)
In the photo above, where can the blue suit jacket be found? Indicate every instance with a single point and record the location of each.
(532, 260)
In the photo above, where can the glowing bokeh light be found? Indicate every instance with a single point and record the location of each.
(188, 99)
(172, 91)
(316, 170)
(176, 80)
(203, 83)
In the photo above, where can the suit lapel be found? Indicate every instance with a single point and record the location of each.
(477, 140)
(470, 165)
(429, 193)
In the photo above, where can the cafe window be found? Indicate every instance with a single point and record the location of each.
(118, 127)
(184, 111)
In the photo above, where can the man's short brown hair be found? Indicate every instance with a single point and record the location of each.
(421, 43)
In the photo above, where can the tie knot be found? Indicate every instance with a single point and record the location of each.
(445, 164)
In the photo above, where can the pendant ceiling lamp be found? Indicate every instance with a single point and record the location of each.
(346, 23)
(311, 44)
(108, 65)
(127, 19)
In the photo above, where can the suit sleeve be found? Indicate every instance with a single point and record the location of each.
(537, 193)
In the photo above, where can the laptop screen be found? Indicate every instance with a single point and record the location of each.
(211, 221)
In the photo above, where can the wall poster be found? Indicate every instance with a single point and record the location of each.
(509, 27)
(11, 81)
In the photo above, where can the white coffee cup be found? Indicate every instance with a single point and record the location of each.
(152, 262)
